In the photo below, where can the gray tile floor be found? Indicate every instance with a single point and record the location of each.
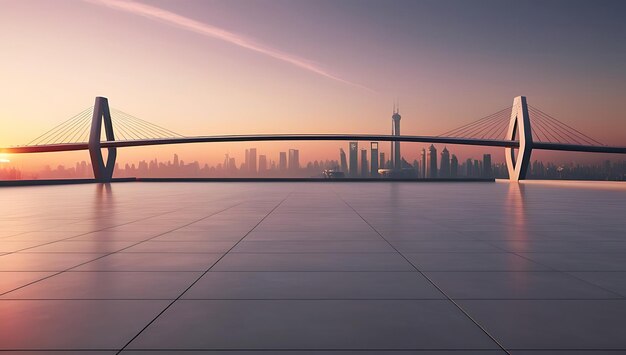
(313, 268)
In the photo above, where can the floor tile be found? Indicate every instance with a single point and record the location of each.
(108, 285)
(524, 324)
(152, 262)
(64, 325)
(313, 285)
(516, 285)
(472, 262)
(313, 325)
(313, 262)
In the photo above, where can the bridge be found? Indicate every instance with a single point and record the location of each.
(509, 128)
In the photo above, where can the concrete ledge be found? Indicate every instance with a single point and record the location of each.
(132, 179)
(57, 182)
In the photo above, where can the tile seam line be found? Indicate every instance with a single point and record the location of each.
(85, 233)
(204, 273)
(568, 273)
(55, 273)
(426, 277)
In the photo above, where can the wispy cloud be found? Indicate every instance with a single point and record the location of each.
(168, 17)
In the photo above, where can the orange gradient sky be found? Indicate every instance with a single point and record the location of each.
(328, 66)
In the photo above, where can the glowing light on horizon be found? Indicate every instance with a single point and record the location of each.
(171, 18)
(2, 160)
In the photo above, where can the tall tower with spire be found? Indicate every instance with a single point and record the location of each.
(395, 131)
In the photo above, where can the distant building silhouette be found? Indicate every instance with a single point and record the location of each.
(382, 163)
(246, 160)
(282, 163)
(423, 168)
(487, 169)
(374, 159)
(468, 168)
(294, 159)
(344, 161)
(364, 169)
(252, 168)
(432, 162)
(444, 170)
(354, 159)
(395, 146)
(454, 166)
(262, 164)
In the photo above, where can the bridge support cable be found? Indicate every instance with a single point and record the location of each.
(50, 136)
(483, 128)
(563, 130)
(465, 130)
(147, 129)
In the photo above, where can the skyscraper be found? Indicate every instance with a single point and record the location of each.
(364, 169)
(487, 170)
(454, 166)
(282, 165)
(294, 159)
(423, 168)
(354, 159)
(246, 159)
(382, 161)
(432, 162)
(444, 171)
(262, 164)
(252, 161)
(468, 167)
(374, 159)
(344, 161)
(395, 146)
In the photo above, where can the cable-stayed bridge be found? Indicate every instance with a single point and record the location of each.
(510, 128)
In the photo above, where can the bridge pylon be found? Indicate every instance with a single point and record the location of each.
(519, 127)
(102, 171)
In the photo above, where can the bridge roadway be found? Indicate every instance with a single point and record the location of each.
(311, 137)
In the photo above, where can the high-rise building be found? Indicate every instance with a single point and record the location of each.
(294, 159)
(476, 169)
(364, 169)
(454, 166)
(252, 161)
(354, 159)
(468, 168)
(282, 164)
(432, 162)
(246, 159)
(344, 161)
(423, 168)
(487, 169)
(395, 146)
(444, 170)
(382, 161)
(374, 159)
(262, 164)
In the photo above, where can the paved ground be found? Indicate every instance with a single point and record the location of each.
(459, 268)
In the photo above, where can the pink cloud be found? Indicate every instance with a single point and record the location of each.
(182, 22)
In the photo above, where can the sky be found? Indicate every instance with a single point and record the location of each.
(207, 67)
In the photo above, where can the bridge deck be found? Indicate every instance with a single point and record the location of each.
(312, 137)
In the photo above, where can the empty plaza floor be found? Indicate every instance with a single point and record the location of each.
(313, 268)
